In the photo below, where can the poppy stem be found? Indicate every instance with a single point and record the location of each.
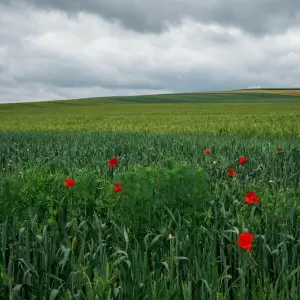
(110, 173)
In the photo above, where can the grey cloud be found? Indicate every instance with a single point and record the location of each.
(256, 17)
(50, 56)
(61, 72)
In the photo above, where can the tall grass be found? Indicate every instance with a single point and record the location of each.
(170, 234)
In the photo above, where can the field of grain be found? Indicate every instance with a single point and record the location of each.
(246, 119)
(259, 93)
(287, 92)
(114, 200)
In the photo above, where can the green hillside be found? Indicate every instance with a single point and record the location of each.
(245, 96)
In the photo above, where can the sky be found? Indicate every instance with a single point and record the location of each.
(64, 49)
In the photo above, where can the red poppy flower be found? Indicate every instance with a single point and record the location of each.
(251, 198)
(117, 188)
(113, 162)
(232, 172)
(207, 150)
(70, 182)
(242, 160)
(245, 240)
(279, 149)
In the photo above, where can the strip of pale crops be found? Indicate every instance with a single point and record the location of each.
(247, 119)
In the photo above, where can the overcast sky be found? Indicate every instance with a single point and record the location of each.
(62, 49)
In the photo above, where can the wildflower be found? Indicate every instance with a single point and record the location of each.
(117, 188)
(70, 182)
(170, 236)
(207, 150)
(113, 162)
(242, 160)
(74, 242)
(232, 172)
(279, 149)
(245, 240)
(251, 198)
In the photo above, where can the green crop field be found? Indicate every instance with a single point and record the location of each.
(165, 222)
(258, 118)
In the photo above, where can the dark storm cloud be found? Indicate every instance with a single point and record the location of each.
(256, 17)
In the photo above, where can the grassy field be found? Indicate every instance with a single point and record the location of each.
(246, 119)
(172, 231)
